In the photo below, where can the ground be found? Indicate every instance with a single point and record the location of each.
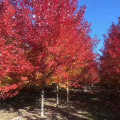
(97, 104)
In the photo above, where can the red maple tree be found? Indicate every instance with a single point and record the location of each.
(110, 60)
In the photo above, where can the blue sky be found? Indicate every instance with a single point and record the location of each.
(101, 13)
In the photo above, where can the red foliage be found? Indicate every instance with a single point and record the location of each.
(42, 40)
(110, 61)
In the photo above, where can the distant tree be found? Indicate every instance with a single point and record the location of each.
(110, 60)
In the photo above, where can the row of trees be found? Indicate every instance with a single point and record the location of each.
(44, 42)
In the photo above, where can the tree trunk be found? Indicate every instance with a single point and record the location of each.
(85, 88)
(42, 102)
(89, 86)
(117, 88)
(57, 95)
(67, 93)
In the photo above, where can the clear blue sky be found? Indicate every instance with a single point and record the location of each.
(101, 13)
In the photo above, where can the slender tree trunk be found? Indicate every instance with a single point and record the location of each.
(57, 95)
(74, 91)
(89, 86)
(42, 102)
(85, 88)
(117, 88)
(67, 93)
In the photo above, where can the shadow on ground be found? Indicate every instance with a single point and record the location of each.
(99, 104)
